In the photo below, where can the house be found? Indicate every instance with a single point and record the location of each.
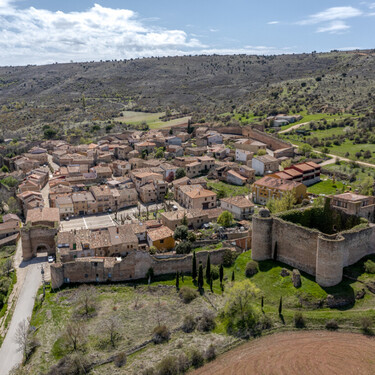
(169, 171)
(161, 238)
(10, 226)
(121, 152)
(149, 147)
(235, 178)
(249, 145)
(355, 204)
(265, 164)
(104, 198)
(102, 171)
(196, 197)
(310, 172)
(240, 207)
(243, 155)
(30, 200)
(84, 203)
(65, 206)
(195, 218)
(120, 168)
(271, 187)
(173, 140)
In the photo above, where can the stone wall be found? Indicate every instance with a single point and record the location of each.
(34, 237)
(309, 250)
(134, 266)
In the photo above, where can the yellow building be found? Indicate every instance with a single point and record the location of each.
(161, 238)
(270, 187)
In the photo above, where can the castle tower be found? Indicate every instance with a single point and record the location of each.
(262, 235)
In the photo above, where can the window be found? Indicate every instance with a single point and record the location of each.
(161, 241)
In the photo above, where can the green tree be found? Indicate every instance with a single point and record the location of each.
(305, 149)
(180, 173)
(194, 267)
(83, 101)
(181, 233)
(221, 193)
(183, 247)
(184, 220)
(221, 273)
(240, 307)
(5, 169)
(286, 203)
(13, 205)
(159, 153)
(232, 275)
(281, 306)
(177, 281)
(225, 219)
(200, 277)
(208, 268)
(50, 133)
(211, 285)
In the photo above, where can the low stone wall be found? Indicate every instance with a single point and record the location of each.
(309, 250)
(132, 267)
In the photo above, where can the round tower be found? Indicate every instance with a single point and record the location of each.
(262, 236)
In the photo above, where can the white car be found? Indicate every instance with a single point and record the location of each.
(50, 259)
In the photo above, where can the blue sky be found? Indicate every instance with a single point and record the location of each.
(46, 31)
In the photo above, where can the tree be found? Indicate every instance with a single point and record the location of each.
(180, 173)
(183, 247)
(184, 220)
(177, 281)
(208, 268)
(5, 169)
(281, 306)
(87, 297)
(22, 336)
(286, 203)
(200, 277)
(221, 193)
(211, 285)
(12, 205)
(49, 133)
(221, 272)
(305, 149)
(159, 153)
(8, 265)
(194, 267)
(225, 219)
(181, 233)
(74, 334)
(240, 308)
(111, 328)
(232, 275)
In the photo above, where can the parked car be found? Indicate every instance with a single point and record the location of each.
(50, 259)
(174, 208)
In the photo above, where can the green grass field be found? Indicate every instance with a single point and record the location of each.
(326, 187)
(151, 119)
(230, 190)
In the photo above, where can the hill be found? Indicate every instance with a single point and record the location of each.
(60, 94)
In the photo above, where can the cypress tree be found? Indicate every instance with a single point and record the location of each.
(281, 306)
(211, 286)
(194, 267)
(208, 268)
(221, 273)
(177, 280)
(262, 302)
(200, 277)
(233, 276)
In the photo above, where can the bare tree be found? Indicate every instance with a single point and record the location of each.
(87, 297)
(22, 336)
(111, 327)
(75, 334)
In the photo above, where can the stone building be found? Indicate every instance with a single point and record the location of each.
(38, 235)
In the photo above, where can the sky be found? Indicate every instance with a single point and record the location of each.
(48, 31)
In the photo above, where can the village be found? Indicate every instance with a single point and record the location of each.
(139, 198)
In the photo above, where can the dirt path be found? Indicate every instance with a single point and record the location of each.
(293, 127)
(296, 353)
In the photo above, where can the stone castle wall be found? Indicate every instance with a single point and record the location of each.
(309, 250)
(134, 266)
(35, 237)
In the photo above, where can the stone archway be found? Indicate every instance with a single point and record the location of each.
(42, 248)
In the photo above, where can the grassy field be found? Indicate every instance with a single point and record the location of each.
(228, 189)
(153, 120)
(326, 186)
(138, 310)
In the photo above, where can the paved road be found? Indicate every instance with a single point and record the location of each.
(9, 354)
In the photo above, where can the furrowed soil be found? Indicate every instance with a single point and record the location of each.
(296, 353)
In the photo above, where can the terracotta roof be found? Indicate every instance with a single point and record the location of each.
(351, 197)
(200, 193)
(277, 183)
(237, 175)
(239, 201)
(159, 233)
(43, 214)
(266, 158)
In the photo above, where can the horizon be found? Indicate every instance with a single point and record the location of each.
(41, 32)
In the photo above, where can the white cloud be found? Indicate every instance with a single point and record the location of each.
(214, 30)
(335, 27)
(39, 36)
(273, 22)
(331, 14)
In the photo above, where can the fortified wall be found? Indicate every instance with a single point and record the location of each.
(134, 266)
(278, 146)
(318, 254)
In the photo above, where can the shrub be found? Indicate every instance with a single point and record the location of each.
(168, 366)
(332, 325)
(228, 258)
(183, 363)
(148, 371)
(215, 272)
(197, 359)
(369, 266)
(206, 321)
(210, 353)
(299, 320)
(366, 324)
(188, 294)
(120, 359)
(251, 268)
(266, 322)
(189, 324)
(160, 334)
(183, 247)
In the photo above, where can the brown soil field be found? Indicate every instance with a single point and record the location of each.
(296, 353)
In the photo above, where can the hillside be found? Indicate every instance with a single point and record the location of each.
(60, 94)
